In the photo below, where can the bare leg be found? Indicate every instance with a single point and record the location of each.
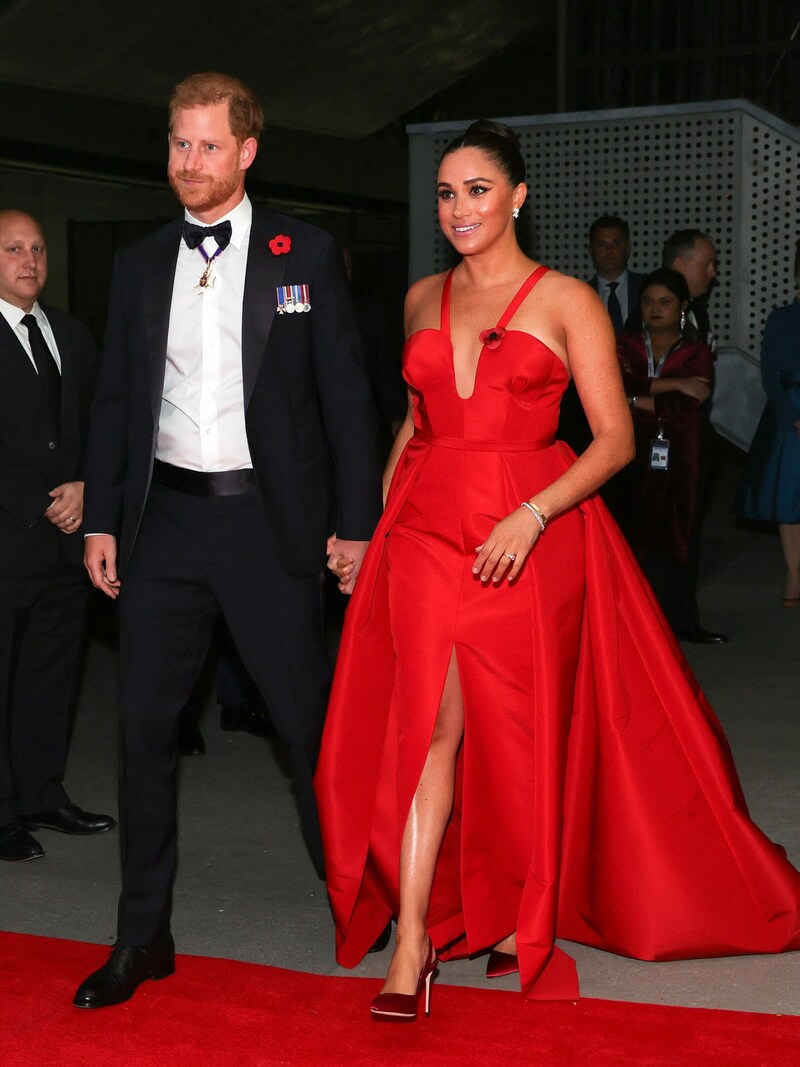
(422, 838)
(790, 540)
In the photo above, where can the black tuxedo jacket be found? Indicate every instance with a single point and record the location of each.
(33, 459)
(310, 418)
(633, 323)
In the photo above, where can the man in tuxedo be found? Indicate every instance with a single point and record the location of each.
(233, 435)
(692, 254)
(618, 288)
(47, 365)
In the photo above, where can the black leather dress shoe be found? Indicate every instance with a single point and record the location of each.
(68, 820)
(17, 844)
(382, 940)
(247, 718)
(190, 740)
(698, 636)
(125, 971)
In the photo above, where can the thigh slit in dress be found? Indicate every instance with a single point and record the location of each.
(596, 799)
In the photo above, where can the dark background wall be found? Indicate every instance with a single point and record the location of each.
(84, 85)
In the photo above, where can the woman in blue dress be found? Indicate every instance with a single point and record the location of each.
(771, 490)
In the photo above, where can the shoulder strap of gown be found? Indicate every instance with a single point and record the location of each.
(444, 318)
(524, 289)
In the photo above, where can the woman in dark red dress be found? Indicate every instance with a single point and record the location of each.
(515, 748)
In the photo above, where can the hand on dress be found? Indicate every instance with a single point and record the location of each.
(100, 560)
(66, 511)
(344, 560)
(504, 551)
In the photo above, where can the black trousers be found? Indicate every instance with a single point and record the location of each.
(42, 622)
(194, 558)
(675, 584)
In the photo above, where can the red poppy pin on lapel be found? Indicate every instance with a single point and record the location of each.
(280, 245)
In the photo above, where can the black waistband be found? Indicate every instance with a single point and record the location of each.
(204, 483)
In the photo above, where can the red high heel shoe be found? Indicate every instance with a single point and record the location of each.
(501, 963)
(403, 1007)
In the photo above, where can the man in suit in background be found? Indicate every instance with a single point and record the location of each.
(692, 254)
(233, 432)
(47, 366)
(618, 288)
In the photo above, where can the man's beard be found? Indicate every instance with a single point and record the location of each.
(201, 198)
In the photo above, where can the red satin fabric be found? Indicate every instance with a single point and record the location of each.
(596, 799)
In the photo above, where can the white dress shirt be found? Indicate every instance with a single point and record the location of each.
(14, 315)
(201, 425)
(622, 292)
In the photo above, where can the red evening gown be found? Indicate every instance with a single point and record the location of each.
(596, 798)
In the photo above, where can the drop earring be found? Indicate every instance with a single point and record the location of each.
(515, 212)
(683, 321)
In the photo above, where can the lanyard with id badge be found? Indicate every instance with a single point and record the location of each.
(659, 446)
(659, 451)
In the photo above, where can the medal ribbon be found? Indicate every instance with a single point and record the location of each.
(208, 261)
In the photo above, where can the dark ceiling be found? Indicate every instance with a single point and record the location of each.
(84, 83)
(339, 67)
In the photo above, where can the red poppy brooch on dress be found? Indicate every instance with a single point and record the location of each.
(280, 245)
(492, 338)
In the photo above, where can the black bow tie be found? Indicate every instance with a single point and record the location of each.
(194, 235)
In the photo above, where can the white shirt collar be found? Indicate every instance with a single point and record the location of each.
(14, 315)
(239, 217)
(605, 282)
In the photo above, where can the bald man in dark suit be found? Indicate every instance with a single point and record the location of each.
(47, 365)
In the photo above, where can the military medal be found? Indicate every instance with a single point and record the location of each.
(292, 298)
(206, 280)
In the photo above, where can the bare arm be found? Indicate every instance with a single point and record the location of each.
(402, 437)
(589, 343)
(591, 352)
(342, 563)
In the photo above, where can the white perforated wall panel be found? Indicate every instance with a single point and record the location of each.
(726, 168)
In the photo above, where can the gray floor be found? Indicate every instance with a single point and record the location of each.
(246, 889)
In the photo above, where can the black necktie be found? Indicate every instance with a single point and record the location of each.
(49, 376)
(194, 235)
(614, 310)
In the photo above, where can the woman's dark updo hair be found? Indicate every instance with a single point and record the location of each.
(670, 279)
(499, 142)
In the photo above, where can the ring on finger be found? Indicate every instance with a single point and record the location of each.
(510, 555)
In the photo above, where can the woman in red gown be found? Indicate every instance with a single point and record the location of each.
(515, 748)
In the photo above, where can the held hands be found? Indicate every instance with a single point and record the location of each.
(505, 549)
(100, 560)
(344, 560)
(66, 510)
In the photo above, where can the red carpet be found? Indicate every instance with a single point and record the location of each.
(216, 1013)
